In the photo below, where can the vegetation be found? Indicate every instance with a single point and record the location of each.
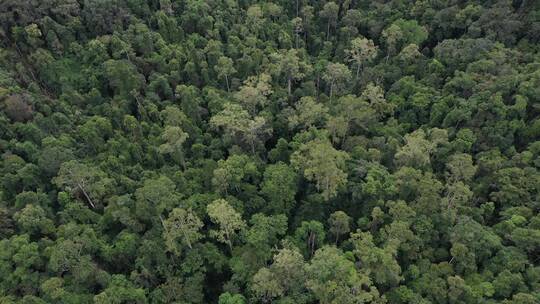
(334, 152)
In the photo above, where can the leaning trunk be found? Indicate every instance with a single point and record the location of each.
(86, 196)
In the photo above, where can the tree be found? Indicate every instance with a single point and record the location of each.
(298, 27)
(33, 219)
(381, 262)
(266, 286)
(471, 242)
(337, 127)
(181, 225)
(225, 69)
(375, 96)
(416, 152)
(321, 163)
(255, 17)
(6, 223)
(337, 76)
(355, 113)
(392, 35)
(265, 231)
(362, 51)
(460, 168)
(402, 33)
(228, 220)
(279, 186)
(308, 113)
(284, 279)
(173, 138)
(237, 122)
(232, 172)
(254, 93)
(330, 13)
(190, 101)
(18, 108)
(120, 290)
(52, 157)
(22, 262)
(228, 298)
(290, 66)
(156, 196)
(289, 269)
(173, 116)
(309, 236)
(95, 132)
(123, 77)
(78, 178)
(334, 279)
(339, 224)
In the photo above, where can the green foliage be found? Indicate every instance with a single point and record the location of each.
(269, 151)
(181, 226)
(227, 298)
(322, 164)
(90, 183)
(279, 186)
(228, 220)
(331, 277)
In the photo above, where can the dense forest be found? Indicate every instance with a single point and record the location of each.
(289, 152)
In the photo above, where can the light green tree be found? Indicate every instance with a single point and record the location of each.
(229, 221)
(225, 69)
(279, 186)
(308, 113)
(237, 122)
(173, 138)
(231, 172)
(339, 223)
(362, 50)
(337, 76)
(416, 152)
(321, 163)
(333, 279)
(290, 66)
(330, 13)
(182, 226)
(78, 178)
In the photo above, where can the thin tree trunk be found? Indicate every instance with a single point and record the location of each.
(229, 243)
(289, 84)
(186, 238)
(227, 81)
(86, 195)
(328, 31)
(163, 224)
(183, 161)
(311, 242)
(252, 143)
(318, 85)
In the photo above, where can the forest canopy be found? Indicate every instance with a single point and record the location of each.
(234, 152)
